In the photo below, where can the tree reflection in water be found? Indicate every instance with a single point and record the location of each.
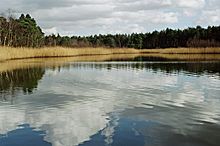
(14, 81)
(116, 103)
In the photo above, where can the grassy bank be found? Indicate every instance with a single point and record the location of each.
(56, 62)
(22, 53)
(183, 51)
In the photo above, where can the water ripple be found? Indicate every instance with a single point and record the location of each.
(114, 103)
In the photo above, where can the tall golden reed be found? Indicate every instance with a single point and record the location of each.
(7, 53)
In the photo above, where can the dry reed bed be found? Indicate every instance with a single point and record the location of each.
(21, 53)
(55, 62)
(7, 53)
(183, 51)
(186, 57)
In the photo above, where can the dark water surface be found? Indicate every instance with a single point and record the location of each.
(111, 103)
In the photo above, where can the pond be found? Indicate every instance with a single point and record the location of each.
(114, 103)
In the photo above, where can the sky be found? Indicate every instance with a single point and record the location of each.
(89, 17)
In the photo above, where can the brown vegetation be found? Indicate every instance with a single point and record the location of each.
(7, 53)
(183, 51)
(54, 62)
(59, 61)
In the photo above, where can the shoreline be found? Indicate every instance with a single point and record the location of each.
(7, 53)
(60, 61)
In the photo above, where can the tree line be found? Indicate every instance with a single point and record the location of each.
(24, 32)
(21, 32)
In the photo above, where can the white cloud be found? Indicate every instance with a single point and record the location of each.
(142, 5)
(210, 17)
(213, 4)
(165, 18)
(85, 17)
(195, 4)
(52, 30)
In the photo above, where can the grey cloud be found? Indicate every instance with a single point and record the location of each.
(210, 17)
(213, 4)
(85, 17)
(194, 4)
(139, 5)
(48, 4)
(75, 13)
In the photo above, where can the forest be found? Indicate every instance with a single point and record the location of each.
(24, 32)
